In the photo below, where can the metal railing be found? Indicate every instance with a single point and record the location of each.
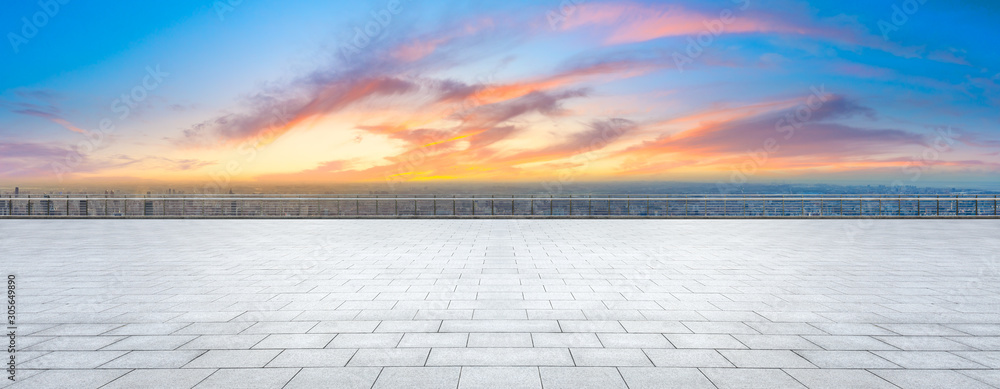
(497, 206)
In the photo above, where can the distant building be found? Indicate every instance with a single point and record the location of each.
(17, 190)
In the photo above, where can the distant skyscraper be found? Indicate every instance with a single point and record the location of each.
(17, 190)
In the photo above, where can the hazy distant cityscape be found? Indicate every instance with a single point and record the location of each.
(542, 188)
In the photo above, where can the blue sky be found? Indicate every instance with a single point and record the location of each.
(268, 91)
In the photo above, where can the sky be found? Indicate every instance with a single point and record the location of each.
(279, 92)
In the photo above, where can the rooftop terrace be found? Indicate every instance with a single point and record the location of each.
(514, 303)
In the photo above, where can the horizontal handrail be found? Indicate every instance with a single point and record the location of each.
(491, 206)
(505, 198)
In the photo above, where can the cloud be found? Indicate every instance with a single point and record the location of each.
(819, 140)
(627, 22)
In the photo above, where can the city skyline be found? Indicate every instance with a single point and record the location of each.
(415, 91)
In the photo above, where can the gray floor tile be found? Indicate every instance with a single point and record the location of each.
(751, 379)
(500, 357)
(665, 378)
(839, 379)
(930, 379)
(160, 378)
(418, 377)
(249, 378)
(500, 378)
(336, 377)
(581, 378)
(313, 358)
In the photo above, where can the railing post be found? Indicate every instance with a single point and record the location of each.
(395, 206)
(551, 207)
(590, 205)
(492, 207)
(435, 206)
(376, 205)
(918, 205)
(532, 205)
(571, 205)
(977, 204)
(899, 209)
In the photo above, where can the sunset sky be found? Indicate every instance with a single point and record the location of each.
(374, 91)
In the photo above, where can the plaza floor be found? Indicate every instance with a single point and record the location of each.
(505, 303)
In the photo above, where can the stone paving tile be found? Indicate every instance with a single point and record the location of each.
(846, 359)
(609, 357)
(480, 303)
(418, 377)
(500, 357)
(389, 357)
(664, 378)
(499, 340)
(160, 378)
(336, 377)
(989, 377)
(839, 379)
(928, 360)
(581, 378)
(751, 379)
(235, 342)
(286, 341)
(930, 379)
(500, 378)
(312, 358)
(233, 358)
(713, 341)
(153, 359)
(687, 358)
(62, 379)
(565, 340)
(74, 343)
(249, 378)
(778, 359)
(71, 360)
